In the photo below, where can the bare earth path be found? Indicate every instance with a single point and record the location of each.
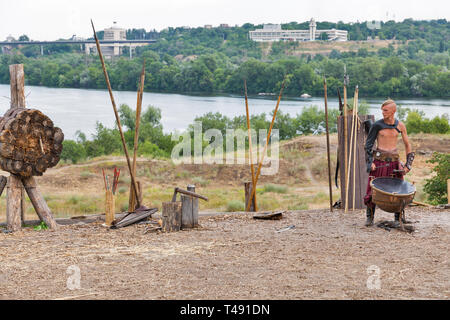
(326, 256)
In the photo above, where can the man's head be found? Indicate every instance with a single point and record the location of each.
(388, 109)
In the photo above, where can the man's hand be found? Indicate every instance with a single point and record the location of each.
(373, 167)
(402, 167)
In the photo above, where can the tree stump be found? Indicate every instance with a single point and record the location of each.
(171, 216)
(248, 191)
(189, 209)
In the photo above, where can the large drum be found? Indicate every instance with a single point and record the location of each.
(392, 194)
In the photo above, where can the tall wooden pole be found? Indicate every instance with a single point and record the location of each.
(15, 201)
(133, 180)
(345, 133)
(264, 152)
(250, 153)
(328, 142)
(355, 138)
(132, 200)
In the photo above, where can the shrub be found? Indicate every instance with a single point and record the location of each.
(73, 151)
(274, 188)
(436, 187)
(235, 205)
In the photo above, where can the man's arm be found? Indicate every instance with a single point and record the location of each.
(408, 149)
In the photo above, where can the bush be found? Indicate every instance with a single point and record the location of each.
(436, 187)
(274, 188)
(73, 151)
(417, 123)
(235, 205)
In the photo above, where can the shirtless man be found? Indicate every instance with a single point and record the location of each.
(382, 161)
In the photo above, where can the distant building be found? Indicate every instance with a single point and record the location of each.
(224, 25)
(208, 26)
(113, 49)
(273, 32)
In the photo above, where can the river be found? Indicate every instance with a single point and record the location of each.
(80, 109)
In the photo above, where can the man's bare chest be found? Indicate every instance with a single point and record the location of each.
(388, 134)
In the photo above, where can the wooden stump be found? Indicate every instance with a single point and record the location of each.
(39, 204)
(189, 209)
(248, 190)
(14, 203)
(171, 216)
(109, 208)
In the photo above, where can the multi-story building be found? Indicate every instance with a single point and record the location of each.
(273, 32)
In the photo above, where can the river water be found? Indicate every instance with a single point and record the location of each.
(80, 109)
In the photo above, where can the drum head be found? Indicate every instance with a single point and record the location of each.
(393, 185)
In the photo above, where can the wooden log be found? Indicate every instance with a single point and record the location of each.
(171, 216)
(448, 191)
(14, 203)
(109, 208)
(58, 135)
(39, 204)
(17, 83)
(3, 181)
(189, 209)
(248, 190)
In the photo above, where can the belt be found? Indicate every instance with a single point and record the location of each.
(385, 156)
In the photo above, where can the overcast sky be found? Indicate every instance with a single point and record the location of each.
(50, 20)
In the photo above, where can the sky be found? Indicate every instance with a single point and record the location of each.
(52, 20)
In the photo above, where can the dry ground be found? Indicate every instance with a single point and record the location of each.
(326, 256)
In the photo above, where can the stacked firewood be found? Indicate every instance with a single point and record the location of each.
(29, 143)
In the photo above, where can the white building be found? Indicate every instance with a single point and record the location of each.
(273, 32)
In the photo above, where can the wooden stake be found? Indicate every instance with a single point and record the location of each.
(109, 207)
(265, 148)
(350, 157)
(39, 204)
(132, 200)
(17, 83)
(133, 180)
(328, 143)
(345, 143)
(13, 203)
(250, 154)
(355, 138)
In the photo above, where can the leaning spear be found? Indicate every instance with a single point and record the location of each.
(133, 181)
(328, 142)
(250, 154)
(265, 148)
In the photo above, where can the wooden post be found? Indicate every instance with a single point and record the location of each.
(448, 191)
(171, 216)
(17, 87)
(248, 190)
(39, 204)
(17, 84)
(14, 203)
(109, 207)
(189, 209)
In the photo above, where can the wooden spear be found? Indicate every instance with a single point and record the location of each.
(265, 148)
(132, 201)
(345, 135)
(328, 142)
(250, 154)
(351, 152)
(355, 120)
(133, 181)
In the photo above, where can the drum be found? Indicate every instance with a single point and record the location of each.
(392, 194)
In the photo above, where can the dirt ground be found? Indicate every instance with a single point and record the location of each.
(233, 256)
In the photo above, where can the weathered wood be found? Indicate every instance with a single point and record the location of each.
(189, 209)
(14, 203)
(134, 218)
(270, 215)
(17, 84)
(39, 204)
(3, 181)
(171, 216)
(248, 190)
(31, 144)
(361, 175)
(109, 207)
